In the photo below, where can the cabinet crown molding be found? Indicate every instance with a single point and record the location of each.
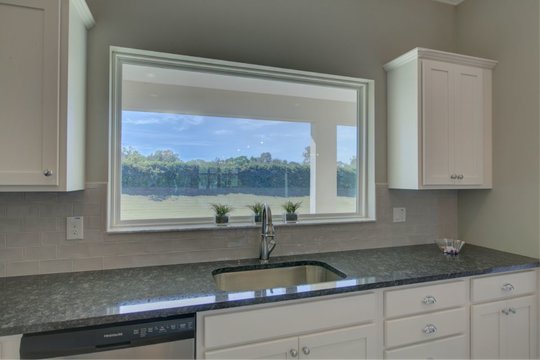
(422, 53)
(84, 13)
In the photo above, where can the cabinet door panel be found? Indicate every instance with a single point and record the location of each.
(437, 115)
(277, 349)
(357, 342)
(486, 327)
(29, 85)
(449, 348)
(469, 125)
(519, 333)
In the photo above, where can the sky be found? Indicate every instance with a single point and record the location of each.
(207, 137)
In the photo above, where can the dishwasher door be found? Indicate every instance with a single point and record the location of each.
(168, 338)
(181, 349)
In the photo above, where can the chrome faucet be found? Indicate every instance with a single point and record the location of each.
(268, 243)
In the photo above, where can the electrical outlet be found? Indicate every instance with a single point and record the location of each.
(74, 228)
(400, 214)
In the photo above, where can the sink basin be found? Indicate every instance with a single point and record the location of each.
(280, 275)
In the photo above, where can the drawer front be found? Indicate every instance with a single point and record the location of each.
(424, 298)
(449, 348)
(413, 329)
(262, 323)
(503, 286)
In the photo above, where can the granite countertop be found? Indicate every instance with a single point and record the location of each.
(30, 304)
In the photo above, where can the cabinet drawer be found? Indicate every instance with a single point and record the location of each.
(409, 330)
(424, 298)
(449, 348)
(263, 323)
(503, 286)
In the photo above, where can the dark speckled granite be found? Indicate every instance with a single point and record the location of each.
(48, 302)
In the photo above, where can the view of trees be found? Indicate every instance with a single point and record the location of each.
(165, 169)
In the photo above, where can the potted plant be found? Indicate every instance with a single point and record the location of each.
(290, 210)
(221, 212)
(257, 209)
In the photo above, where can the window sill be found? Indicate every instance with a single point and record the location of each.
(233, 225)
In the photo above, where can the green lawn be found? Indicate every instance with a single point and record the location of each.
(135, 207)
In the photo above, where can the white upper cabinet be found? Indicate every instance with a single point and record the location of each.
(439, 121)
(42, 94)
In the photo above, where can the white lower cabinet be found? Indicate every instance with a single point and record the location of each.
(504, 329)
(9, 347)
(357, 342)
(331, 327)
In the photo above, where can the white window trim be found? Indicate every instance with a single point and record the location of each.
(366, 139)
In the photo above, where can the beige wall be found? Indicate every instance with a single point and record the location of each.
(342, 37)
(506, 217)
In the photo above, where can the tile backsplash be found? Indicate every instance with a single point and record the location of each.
(33, 233)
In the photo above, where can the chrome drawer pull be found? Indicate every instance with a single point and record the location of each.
(504, 311)
(47, 172)
(293, 352)
(429, 300)
(512, 310)
(430, 329)
(507, 287)
(306, 350)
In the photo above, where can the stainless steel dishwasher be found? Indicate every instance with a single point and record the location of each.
(170, 338)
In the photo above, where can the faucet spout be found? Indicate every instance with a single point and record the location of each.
(268, 242)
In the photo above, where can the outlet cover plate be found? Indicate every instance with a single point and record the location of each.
(400, 215)
(74, 228)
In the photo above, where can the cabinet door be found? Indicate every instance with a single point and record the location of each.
(437, 115)
(357, 342)
(486, 329)
(9, 347)
(277, 349)
(29, 91)
(468, 126)
(518, 336)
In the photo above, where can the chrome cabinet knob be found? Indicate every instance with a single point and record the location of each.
(505, 311)
(430, 329)
(460, 177)
(512, 310)
(508, 287)
(293, 353)
(429, 300)
(453, 176)
(306, 350)
(47, 172)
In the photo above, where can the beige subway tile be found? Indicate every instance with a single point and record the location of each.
(93, 235)
(3, 211)
(88, 264)
(55, 266)
(15, 210)
(83, 209)
(22, 239)
(11, 197)
(118, 262)
(10, 225)
(2, 241)
(2, 270)
(40, 253)
(70, 196)
(61, 224)
(39, 224)
(53, 237)
(94, 195)
(22, 268)
(93, 223)
(11, 254)
(41, 196)
(56, 209)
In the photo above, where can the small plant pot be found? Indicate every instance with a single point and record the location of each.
(257, 218)
(222, 220)
(291, 218)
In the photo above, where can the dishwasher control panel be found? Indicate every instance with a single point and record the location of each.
(106, 337)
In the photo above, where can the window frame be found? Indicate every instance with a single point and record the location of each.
(365, 146)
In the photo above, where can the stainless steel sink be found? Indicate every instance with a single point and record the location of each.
(275, 275)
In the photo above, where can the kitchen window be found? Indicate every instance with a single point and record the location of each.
(189, 132)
